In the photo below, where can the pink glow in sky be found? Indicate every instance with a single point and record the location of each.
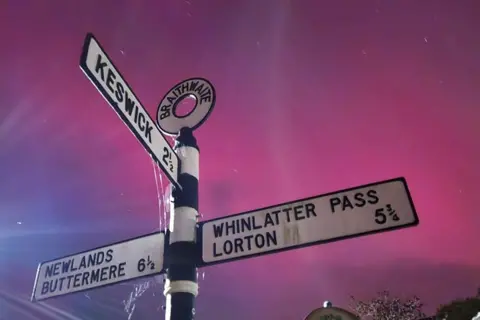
(312, 97)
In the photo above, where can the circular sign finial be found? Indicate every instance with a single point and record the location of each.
(327, 304)
(199, 89)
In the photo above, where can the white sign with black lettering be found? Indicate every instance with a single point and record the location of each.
(199, 89)
(367, 209)
(130, 259)
(107, 79)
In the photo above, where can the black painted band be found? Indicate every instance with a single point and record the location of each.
(180, 272)
(186, 139)
(188, 196)
(182, 306)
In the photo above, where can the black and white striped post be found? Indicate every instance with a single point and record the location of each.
(181, 285)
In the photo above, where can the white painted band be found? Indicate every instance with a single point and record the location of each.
(180, 286)
(189, 158)
(183, 224)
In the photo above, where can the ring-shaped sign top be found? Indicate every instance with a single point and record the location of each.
(169, 122)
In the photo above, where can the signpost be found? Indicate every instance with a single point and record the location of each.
(368, 209)
(115, 263)
(331, 313)
(108, 80)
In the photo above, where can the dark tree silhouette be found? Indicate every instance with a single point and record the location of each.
(386, 307)
(461, 309)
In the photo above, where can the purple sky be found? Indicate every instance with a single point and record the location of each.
(312, 97)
